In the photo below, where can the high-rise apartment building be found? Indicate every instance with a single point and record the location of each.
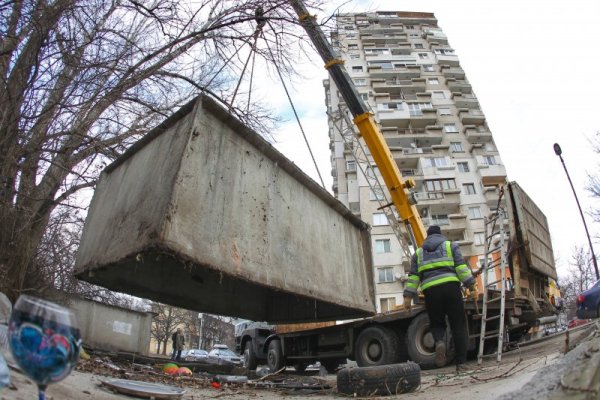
(406, 71)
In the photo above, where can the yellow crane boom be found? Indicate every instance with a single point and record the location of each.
(398, 188)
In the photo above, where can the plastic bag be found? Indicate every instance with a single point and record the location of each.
(4, 373)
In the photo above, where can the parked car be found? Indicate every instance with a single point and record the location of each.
(196, 355)
(576, 322)
(222, 355)
(588, 303)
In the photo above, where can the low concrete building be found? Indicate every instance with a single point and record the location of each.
(114, 328)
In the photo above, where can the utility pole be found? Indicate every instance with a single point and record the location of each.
(558, 152)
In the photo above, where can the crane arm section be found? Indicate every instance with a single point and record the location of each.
(365, 122)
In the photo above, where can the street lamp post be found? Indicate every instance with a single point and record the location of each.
(558, 152)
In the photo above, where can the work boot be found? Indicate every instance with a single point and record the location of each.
(440, 354)
(461, 369)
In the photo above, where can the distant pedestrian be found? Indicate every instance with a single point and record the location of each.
(174, 338)
(179, 343)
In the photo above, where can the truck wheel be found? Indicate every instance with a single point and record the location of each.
(300, 366)
(380, 380)
(275, 356)
(421, 345)
(377, 345)
(249, 357)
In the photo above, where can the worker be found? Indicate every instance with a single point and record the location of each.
(439, 268)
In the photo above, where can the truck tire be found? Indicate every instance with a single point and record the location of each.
(249, 357)
(275, 356)
(420, 343)
(380, 380)
(376, 345)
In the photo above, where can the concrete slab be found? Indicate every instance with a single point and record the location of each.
(204, 214)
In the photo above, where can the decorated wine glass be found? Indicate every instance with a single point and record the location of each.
(44, 340)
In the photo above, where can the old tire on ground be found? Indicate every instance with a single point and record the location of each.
(380, 380)
(300, 366)
(420, 343)
(249, 357)
(275, 356)
(376, 345)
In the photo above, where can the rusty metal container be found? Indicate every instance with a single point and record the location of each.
(203, 213)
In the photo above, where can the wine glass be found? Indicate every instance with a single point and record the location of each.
(44, 340)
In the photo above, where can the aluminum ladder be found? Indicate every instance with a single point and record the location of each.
(493, 236)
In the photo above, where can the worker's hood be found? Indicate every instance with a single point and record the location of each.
(433, 241)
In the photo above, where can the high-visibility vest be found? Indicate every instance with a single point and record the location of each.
(436, 271)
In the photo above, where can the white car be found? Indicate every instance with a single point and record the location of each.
(222, 355)
(196, 355)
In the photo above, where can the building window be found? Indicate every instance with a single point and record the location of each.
(474, 213)
(418, 45)
(364, 96)
(444, 111)
(357, 68)
(490, 160)
(434, 81)
(478, 238)
(438, 95)
(351, 165)
(440, 219)
(469, 188)
(383, 246)
(387, 304)
(389, 106)
(386, 274)
(376, 194)
(437, 185)
(423, 56)
(450, 128)
(463, 166)
(372, 171)
(437, 161)
(415, 109)
(354, 56)
(352, 47)
(379, 219)
(360, 82)
(444, 52)
(428, 68)
(456, 147)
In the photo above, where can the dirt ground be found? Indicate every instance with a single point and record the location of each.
(487, 381)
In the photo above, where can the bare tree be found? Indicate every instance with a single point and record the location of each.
(580, 276)
(166, 321)
(216, 329)
(82, 80)
(593, 186)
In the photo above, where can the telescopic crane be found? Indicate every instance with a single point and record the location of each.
(399, 188)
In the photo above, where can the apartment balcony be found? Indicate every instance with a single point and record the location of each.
(401, 49)
(450, 60)
(478, 134)
(379, 29)
(409, 157)
(435, 37)
(405, 137)
(471, 117)
(492, 174)
(491, 195)
(447, 197)
(457, 223)
(459, 85)
(407, 73)
(453, 72)
(397, 86)
(383, 40)
(465, 100)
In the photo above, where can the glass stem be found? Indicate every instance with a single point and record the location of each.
(42, 392)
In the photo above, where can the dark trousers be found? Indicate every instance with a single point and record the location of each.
(446, 300)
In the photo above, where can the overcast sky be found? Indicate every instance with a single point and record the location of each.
(533, 66)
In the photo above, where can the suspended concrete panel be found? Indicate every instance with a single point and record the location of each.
(203, 213)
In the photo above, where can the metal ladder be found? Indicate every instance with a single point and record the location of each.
(493, 236)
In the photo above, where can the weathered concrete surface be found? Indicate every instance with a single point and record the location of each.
(205, 214)
(112, 328)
